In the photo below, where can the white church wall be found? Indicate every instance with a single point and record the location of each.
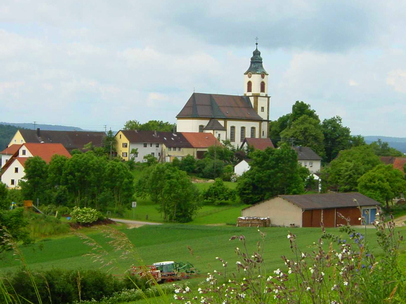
(190, 125)
(256, 80)
(238, 124)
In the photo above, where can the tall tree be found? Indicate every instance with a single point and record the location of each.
(305, 131)
(273, 172)
(343, 172)
(300, 109)
(152, 125)
(276, 127)
(35, 185)
(383, 149)
(336, 137)
(4, 203)
(383, 183)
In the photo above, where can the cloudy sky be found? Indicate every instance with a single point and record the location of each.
(90, 63)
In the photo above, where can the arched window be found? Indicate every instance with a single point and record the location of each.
(242, 134)
(253, 132)
(201, 127)
(262, 87)
(249, 86)
(232, 134)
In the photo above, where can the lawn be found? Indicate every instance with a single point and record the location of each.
(197, 244)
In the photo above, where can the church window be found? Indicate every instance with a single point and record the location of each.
(242, 133)
(253, 132)
(201, 127)
(262, 87)
(249, 86)
(232, 134)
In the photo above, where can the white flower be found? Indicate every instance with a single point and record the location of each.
(187, 289)
(242, 295)
(175, 297)
(345, 283)
(303, 255)
(377, 214)
(308, 288)
(289, 236)
(177, 290)
(290, 271)
(359, 218)
(217, 258)
(322, 273)
(275, 290)
(277, 271)
(269, 278)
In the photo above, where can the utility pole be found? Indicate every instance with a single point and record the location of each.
(105, 129)
(35, 124)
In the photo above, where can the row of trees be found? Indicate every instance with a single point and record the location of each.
(85, 179)
(327, 138)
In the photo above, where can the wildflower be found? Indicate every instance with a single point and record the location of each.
(177, 290)
(303, 255)
(275, 290)
(269, 278)
(377, 214)
(277, 271)
(322, 273)
(308, 288)
(242, 295)
(175, 297)
(187, 289)
(345, 283)
(217, 258)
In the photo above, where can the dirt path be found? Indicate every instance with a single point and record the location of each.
(134, 224)
(400, 221)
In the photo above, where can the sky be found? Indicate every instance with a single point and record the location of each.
(98, 63)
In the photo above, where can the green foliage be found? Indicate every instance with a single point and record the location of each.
(150, 160)
(6, 134)
(344, 172)
(300, 109)
(41, 225)
(85, 215)
(12, 228)
(219, 194)
(307, 132)
(383, 183)
(172, 189)
(36, 172)
(336, 137)
(276, 127)
(15, 195)
(357, 140)
(382, 149)
(4, 198)
(188, 164)
(273, 172)
(221, 152)
(152, 125)
(228, 172)
(63, 286)
(109, 143)
(213, 168)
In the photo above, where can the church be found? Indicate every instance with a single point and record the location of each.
(230, 117)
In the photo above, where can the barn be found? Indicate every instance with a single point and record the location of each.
(310, 210)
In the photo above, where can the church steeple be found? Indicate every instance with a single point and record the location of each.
(256, 66)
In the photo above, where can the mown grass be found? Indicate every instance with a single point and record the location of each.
(197, 244)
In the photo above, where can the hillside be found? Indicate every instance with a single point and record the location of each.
(398, 143)
(6, 134)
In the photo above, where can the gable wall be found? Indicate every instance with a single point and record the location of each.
(10, 174)
(120, 140)
(17, 139)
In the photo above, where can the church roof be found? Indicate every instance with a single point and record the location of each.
(256, 66)
(218, 106)
(214, 125)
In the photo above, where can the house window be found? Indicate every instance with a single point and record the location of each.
(218, 136)
(201, 127)
(242, 134)
(145, 145)
(159, 154)
(153, 154)
(305, 164)
(12, 182)
(120, 136)
(262, 109)
(179, 149)
(232, 134)
(23, 152)
(16, 170)
(249, 86)
(150, 145)
(157, 145)
(124, 154)
(311, 164)
(253, 131)
(124, 145)
(262, 87)
(169, 149)
(263, 133)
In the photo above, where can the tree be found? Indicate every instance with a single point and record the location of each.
(35, 184)
(336, 137)
(357, 140)
(188, 164)
(273, 172)
(109, 144)
(305, 131)
(300, 109)
(12, 228)
(55, 170)
(218, 194)
(343, 172)
(383, 183)
(4, 202)
(383, 149)
(276, 127)
(171, 189)
(152, 125)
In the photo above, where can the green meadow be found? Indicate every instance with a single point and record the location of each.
(197, 244)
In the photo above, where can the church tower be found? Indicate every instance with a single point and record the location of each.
(256, 88)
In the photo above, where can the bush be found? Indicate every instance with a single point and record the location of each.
(218, 194)
(43, 225)
(228, 172)
(188, 164)
(85, 215)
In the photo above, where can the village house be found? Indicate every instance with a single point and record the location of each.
(71, 140)
(7, 153)
(397, 162)
(310, 210)
(308, 159)
(231, 117)
(13, 170)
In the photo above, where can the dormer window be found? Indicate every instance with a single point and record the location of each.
(249, 86)
(201, 127)
(262, 87)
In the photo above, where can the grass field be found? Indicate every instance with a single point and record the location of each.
(167, 242)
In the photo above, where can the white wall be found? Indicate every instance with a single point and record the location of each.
(281, 212)
(4, 159)
(143, 151)
(191, 125)
(238, 124)
(256, 84)
(10, 174)
(313, 165)
(241, 167)
(27, 152)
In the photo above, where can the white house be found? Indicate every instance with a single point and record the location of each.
(241, 167)
(231, 117)
(308, 159)
(7, 153)
(13, 170)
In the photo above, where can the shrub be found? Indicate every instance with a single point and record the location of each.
(228, 172)
(43, 225)
(218, 194)
(85, 215)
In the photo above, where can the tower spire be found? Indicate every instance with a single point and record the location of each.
(256, 43)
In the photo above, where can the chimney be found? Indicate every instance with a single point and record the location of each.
(38, 132)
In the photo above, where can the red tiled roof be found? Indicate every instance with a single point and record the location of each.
(201, 140)
(22, 160)
(11, 150)
(399, 163)
(259, 143)
(46, 151)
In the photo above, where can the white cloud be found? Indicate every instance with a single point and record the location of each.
(397, 79)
